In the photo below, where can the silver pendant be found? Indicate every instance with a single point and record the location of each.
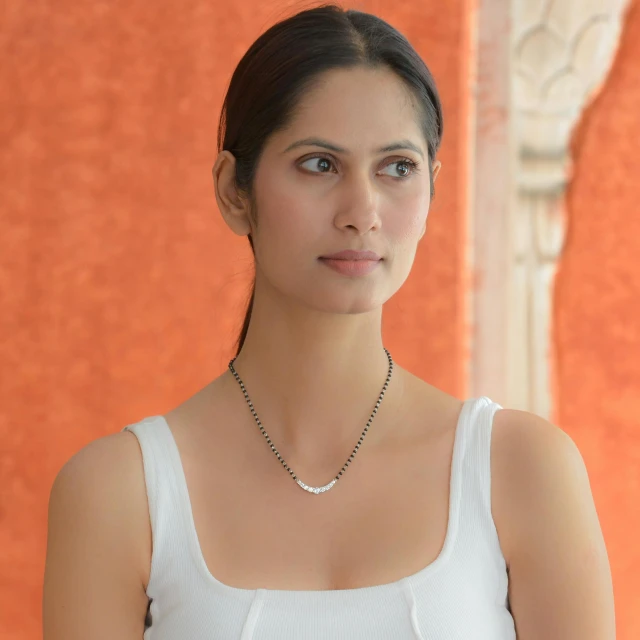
(316, 490)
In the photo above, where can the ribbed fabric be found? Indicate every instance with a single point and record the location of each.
(461, 595)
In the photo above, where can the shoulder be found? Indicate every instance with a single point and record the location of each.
(98, 544)
(524, 443)
(530, 457)
(105, 464)
(101, 489)
(549, 530)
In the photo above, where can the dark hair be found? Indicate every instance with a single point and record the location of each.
(284, 61)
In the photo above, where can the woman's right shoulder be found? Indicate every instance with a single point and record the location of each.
(102, 486)
(108, 466)
(98, 543)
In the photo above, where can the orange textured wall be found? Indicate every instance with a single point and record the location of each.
(597, 316)
(122, 288)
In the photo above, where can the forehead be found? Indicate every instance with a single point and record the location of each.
(358, 107)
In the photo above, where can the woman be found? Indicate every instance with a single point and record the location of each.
(239, 514)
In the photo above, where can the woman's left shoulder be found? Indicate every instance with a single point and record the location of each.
(549, 530)
(530, 438)
(532, 461)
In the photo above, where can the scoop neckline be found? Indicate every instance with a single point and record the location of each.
(455, 486)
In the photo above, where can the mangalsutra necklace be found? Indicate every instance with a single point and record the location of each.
(315, 490)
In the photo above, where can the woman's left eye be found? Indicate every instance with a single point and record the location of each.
(403, 168)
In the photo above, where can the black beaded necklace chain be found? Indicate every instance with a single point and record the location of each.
(315, 490)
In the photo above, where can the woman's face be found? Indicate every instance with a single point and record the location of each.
(312, 201)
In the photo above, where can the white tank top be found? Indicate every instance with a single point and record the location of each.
(460, 595)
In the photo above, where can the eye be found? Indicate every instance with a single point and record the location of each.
(321, 164)
(404, 168)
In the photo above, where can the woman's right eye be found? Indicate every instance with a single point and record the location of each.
(318, 164)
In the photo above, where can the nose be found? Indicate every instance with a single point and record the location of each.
(359, 206)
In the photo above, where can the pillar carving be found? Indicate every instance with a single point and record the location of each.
(561, 53)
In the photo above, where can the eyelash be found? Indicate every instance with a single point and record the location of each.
(411, 163)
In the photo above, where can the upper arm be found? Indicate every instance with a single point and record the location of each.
(98, 545)
(560, 585)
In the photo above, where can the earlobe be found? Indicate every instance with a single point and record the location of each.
(233, 207)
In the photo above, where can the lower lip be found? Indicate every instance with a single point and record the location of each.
(351, 267)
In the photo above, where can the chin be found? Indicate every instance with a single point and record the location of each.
(346, 302)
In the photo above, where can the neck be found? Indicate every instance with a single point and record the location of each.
(314, 379)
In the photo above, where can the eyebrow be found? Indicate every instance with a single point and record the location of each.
(318, 142)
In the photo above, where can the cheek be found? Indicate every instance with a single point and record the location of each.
(288, 214)
(405, 220)
(289, 221)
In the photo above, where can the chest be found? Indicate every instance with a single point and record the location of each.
(385, 519)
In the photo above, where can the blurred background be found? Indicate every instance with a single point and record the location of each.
(122, 290)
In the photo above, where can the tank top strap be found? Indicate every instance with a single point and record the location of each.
(476, 452)
(169, 507)
(478, 546)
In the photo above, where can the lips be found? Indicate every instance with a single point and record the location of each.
(349, 254)
(351, 267)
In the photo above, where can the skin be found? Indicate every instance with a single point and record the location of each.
(313, 365)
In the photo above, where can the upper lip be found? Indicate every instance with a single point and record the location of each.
(350, 254)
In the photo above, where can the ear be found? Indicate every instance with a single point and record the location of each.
(436, 169)
(424, 228)
(233, 206)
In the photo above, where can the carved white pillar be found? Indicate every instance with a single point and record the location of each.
(537, 64)
(562, 50)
